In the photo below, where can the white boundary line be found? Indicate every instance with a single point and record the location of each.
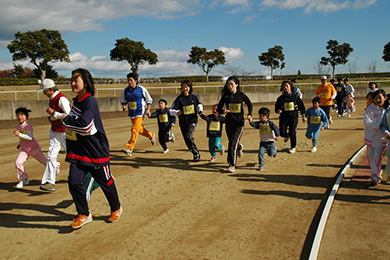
(329, 202)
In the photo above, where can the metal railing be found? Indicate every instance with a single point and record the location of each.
(114, 92)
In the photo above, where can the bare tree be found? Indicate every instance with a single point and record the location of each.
(352, 68)
(322, 69)
(372, 66)
(236, 71)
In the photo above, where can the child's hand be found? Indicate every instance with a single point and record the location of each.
(16, 132)
(304, 119)
(49, 111)
(18, 146)
(322, 128)
(179, 113)
(226, 111)
(276, 138)
(172, 125)
(250, 118)
(279, 111)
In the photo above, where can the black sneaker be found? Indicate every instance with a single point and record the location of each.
(197, 157)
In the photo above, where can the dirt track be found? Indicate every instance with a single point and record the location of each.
(178, 209)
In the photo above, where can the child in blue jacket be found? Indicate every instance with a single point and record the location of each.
(315, 115)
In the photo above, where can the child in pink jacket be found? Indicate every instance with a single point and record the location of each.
(27, 144)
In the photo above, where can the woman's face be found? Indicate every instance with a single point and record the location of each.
(77, 83)
(286, 88)
(379, 100)
(232, 86)
(185, 89)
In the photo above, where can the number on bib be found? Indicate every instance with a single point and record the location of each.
(188, 110)
(163, 118)
(133, 105)
(70, 135)
(235, 108)
(289, 106)
(214, 126)
(315, 120)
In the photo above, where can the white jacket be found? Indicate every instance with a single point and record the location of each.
(372, 121)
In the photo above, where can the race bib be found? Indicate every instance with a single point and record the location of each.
(52, 118)
(265, 129)
(324, 95)
(315, 120)
(70, 135)
(188, 110)
(22, 131)
(214, 126)
(349, 102)
(133, 105)
(289, 106)
(235, 107)
(163, 118)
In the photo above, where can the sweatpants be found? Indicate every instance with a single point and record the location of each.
(374, 155)
(214, 145)
(187, 130)
(312, 133)
(234, 134)
(56, 141)
(164, 136)
(102, 175)
(291, 124)
(137, 129)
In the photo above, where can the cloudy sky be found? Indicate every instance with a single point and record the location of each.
(243, 29)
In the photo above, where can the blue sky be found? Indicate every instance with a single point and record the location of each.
(243, 29)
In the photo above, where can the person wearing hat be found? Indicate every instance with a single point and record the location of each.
(327, 93)
(58, 106)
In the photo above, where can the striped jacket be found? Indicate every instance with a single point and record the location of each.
(86, 140)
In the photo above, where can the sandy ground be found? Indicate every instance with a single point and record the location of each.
(178, 209)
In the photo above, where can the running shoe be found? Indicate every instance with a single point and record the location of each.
(127, 151)
(241, 151)
(115, 215)
(231, 168)
(48, 187)
(292, 150)
(173, 138)
(213, 159)
(153, 139)
(81, 220)
(22, 183)
(222, 151)
(314, 149)
(165, 151)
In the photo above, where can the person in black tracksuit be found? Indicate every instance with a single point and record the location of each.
(287, 106)
(165, 122)
(341, 94)
(232, 99)
(87, 149)
(187, 106)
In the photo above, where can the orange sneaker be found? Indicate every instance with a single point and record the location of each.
(115, 215)
(80, 220)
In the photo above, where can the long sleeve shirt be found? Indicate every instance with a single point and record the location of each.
(189, 105)
(289, 104)
(136, 100)
(327, 93)
(234, 103)
(86, 140)
(164, 119)
(214, 124)
(372, 120)
(316, 116)
(268, 130)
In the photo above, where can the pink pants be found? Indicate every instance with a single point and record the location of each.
(24, 153)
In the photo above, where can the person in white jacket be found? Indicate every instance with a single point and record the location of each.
(373, 137)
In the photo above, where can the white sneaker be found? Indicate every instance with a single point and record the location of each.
(314, 149)
(166, 151)
(58, 168)
(241, 152)
(22, 183)
(348, 115)
(330, 120)
(231, 168)
(153, 139)
(127, 151)
(173, 138)
(292, 150)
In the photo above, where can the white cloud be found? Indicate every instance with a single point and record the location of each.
(321, 6)
(82, 15)
(232, 54)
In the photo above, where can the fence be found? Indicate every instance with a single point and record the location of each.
(18, 95)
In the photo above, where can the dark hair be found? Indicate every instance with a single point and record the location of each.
(346, 79)
(22, 110)
(133, 75)
(163, 100)
(377, 92)
(264, 111)
(386, 105)
(339, 79)
(372, 83)
(293, 80)
(332, 80)
(284, 82)
(188, 83)
(225, 90)
(87, 78)
(316, 99)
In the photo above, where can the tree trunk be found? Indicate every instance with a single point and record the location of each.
(207, 76)
(272, 73)
(43, 75)
(333, 70)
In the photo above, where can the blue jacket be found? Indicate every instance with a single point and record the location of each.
(136, 100)
(314, 117)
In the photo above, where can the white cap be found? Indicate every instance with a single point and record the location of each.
(324, 77)
(46, 84)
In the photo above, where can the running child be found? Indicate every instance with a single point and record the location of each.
(232, 99)
(27, 144)
(214, 132)
(165, 122)
(315, 115)
(350, 104)
(269, 133)
(373, 137)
